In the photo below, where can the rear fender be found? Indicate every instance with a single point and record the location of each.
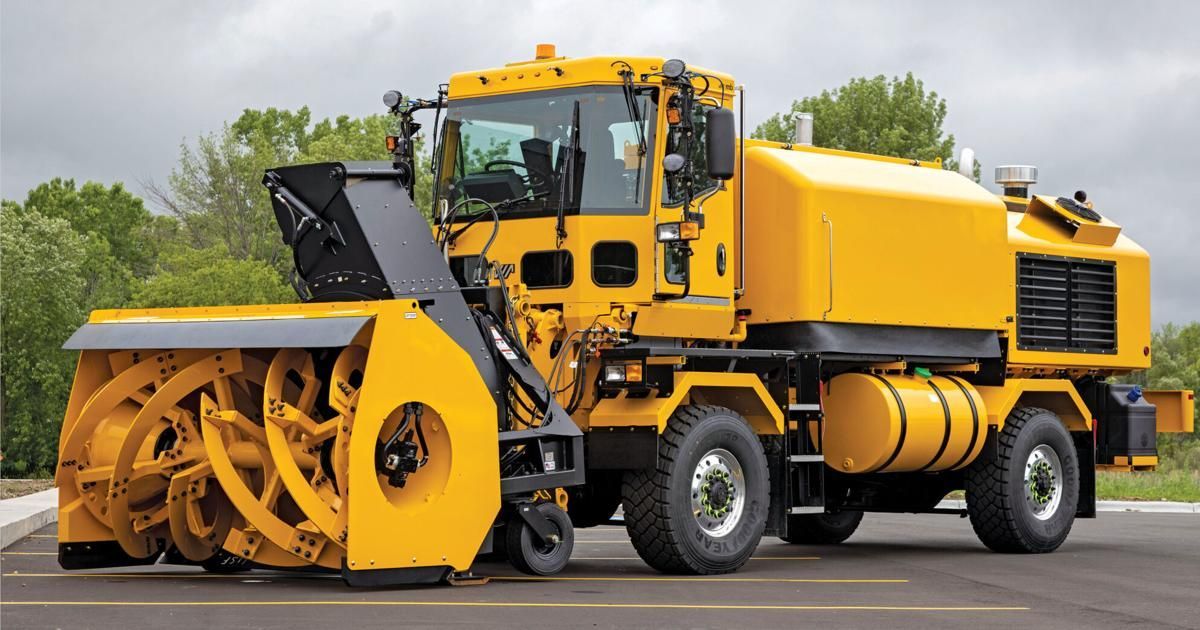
(1057, 395)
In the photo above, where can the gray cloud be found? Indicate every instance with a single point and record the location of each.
(1101, 96)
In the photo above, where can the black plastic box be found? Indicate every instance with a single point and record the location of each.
(1125, 427)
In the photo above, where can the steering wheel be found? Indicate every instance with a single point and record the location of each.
(534, 178)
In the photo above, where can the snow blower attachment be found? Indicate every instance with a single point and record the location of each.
(371, 437)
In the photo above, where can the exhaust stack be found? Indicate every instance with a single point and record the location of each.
(804, 129)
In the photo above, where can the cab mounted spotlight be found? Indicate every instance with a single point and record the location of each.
(392, 99)
(674, 68)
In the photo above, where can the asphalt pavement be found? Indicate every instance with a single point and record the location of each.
(1131, 570)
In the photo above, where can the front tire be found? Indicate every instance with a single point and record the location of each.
(829, 528)
(528, 553)
(703, 508)
(1024, 500)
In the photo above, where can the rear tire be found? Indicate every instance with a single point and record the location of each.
(528, 553)
(1024, 500)
(703, 508)
(829, 528)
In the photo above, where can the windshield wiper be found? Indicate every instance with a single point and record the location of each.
(635, 112)
(567, 183)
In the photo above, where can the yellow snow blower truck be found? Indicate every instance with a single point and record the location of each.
(622, 302)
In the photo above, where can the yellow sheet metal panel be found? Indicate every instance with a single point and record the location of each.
(235, 313)
(1050, 235)
(1176, 410)
(442, 515)
(561, 72)
(1056, 394)
(742, 392)
(844, 239)
(1043, 208)
(890, 423)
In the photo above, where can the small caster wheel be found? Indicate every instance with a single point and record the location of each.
(529, 553)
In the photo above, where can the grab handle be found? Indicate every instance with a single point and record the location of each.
(825, 219)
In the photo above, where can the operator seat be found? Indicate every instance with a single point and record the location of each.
(604, 186)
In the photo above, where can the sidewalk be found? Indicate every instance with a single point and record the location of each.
(22, 516)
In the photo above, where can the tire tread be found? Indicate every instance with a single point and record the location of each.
(989, 504)
(647, 501)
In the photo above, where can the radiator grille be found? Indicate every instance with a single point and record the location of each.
(1066, 304)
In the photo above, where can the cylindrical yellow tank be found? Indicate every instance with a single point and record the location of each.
(889, 423)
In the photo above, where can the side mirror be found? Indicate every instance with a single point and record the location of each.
(722, 134)
(673, 163)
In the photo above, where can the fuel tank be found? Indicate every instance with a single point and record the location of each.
(901, 423)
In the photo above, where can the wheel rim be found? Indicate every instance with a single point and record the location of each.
(544, 549)
(1043, 482)
(718, 492)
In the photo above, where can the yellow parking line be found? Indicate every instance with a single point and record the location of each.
(693, 580)
(760, 558)
(781, 607)
(509, 578)
(180, 575)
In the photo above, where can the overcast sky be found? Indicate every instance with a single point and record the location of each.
(1100, 96)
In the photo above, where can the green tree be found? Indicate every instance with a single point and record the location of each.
(216, 190)
(41, 305)
(112, 213)
(116, 227)
(894, 117)
(211, 276)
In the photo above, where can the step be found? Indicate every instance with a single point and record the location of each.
(806, 459)
(804, 407)
(807, 509)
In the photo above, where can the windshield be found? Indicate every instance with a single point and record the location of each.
(524, 153)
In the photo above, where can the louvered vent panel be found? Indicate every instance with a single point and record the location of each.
(1066, 304)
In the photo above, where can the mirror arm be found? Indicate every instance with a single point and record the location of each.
(700, 202)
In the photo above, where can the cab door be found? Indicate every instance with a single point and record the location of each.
(694, 279)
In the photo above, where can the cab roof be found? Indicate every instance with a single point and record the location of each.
(549, 72)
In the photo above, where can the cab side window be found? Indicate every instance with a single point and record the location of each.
(614, 264)
(547, 270)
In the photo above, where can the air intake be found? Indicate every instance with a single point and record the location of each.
(1016, 179)
(1066, 304)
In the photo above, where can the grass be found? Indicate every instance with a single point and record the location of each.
(1175, 485)
(1171, 485)
(11, 488)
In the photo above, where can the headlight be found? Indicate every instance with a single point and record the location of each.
(680, 231)
(623, 373)
(614, 373)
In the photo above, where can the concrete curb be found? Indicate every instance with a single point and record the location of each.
(1160, 507)
(22, 516)
(1166, 507)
